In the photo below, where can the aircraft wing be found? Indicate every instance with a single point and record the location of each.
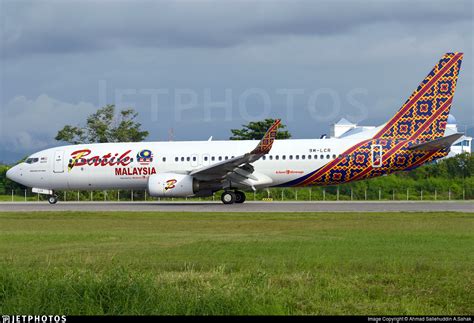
(239, 167)
(437, 144)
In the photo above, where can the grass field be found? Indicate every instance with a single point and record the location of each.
(192, 263)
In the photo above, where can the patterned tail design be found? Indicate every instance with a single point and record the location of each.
(266, 143)
(428, 106)
(422, 118)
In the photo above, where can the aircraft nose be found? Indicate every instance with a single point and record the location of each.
(12, 174)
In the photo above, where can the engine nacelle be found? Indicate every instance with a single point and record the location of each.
(172, 185)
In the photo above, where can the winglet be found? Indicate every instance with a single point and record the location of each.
(266, 143)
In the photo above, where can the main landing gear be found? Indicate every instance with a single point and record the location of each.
(229, 197)
(52, 199)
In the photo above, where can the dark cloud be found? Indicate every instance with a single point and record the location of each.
(56, 54)
(61, 27)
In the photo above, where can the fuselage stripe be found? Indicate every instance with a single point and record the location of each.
(329, 165)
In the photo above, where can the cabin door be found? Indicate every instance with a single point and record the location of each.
(58, 161)
(376, 156)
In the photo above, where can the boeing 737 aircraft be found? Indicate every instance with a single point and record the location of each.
(415, 135)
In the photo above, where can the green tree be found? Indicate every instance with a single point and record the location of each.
(105, 126)
(7, 185)
(256, 130)
(461, 165)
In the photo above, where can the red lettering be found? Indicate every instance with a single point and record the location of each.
(105, 159)
(93, 160)
(124, 159)
(135, 171)
(77, 157)
(113, 160)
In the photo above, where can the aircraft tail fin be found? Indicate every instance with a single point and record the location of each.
(424, 115)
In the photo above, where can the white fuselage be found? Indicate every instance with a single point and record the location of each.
(288, 160)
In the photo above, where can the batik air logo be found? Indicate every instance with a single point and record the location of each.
(122, 163)
(170, 184)
(83, 157)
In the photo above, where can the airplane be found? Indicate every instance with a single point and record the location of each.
(413, 136)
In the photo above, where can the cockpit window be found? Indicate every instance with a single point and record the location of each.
(31, 160)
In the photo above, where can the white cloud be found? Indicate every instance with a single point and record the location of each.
(32, 124)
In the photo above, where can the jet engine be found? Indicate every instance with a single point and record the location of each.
(172, 185)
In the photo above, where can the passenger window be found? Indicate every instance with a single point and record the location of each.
(290, 157)
(164, 159)
(334, 156)
(226, 158)
(205, 158)
(220, 158)
(264, 157)
(283, 157)
(182, 159)
(176, 159)
(213, 158)
(309, 156)
(327, 156)
(303, 156)
(188, 158)
(277, 157)
(321, 157)
(315, 156)
(297, 156)
(270, 157)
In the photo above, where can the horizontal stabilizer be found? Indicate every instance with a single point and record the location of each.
(437, 144)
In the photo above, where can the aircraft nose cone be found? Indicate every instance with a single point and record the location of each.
(11, 174)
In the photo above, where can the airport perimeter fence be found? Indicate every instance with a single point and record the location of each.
(329, 193)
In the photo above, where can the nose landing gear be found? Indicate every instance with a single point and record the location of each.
(52, 199)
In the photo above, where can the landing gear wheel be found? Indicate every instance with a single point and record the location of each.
(239, 197)
(228, 197)
(52, 199)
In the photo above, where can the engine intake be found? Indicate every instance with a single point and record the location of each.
(172, 185)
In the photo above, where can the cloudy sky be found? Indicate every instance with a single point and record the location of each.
(204, 67)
